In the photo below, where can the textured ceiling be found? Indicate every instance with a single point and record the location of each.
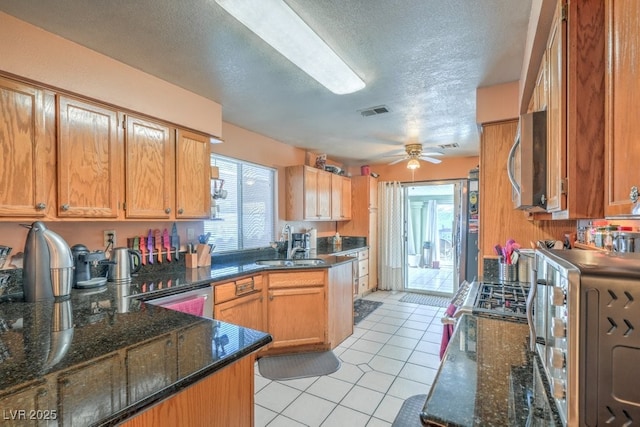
(423, 59)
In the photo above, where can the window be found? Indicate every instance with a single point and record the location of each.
(245, 219)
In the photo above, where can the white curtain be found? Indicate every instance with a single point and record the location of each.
(431, 233)
(391, 207)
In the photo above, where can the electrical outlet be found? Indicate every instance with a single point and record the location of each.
(109, 238)
(191, 234)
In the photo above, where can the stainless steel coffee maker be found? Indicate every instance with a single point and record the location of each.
(48, 265)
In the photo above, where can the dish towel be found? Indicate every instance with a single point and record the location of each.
(447, 331)
(193, 306)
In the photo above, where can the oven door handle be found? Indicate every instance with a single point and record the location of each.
(532, 326)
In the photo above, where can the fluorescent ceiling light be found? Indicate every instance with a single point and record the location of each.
(277, 24)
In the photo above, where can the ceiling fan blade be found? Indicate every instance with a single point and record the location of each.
(398, 161)
(430, 159)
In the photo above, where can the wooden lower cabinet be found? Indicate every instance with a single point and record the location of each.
(247, 311)
(79, 389)
(220, 400)
(297, 309)
(340, 303)
(146, 375)
(241, 302)
(34, 397)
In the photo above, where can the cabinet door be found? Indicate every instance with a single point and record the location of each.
(193, 181)
(27, 151)
(323, 195)
(89, 394)
(622, 93)
(35, 397)
(247, 311)
(311, 193)
(297, 316)
(89, 159)
(149, 169)
(340, 198)
(194, 348)
(151, 367)
(556, 123)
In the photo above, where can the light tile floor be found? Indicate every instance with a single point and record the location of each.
(391, 356)
(431, 279)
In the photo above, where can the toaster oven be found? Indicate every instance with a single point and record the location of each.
(585, 308)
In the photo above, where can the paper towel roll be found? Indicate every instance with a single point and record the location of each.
(313, 239)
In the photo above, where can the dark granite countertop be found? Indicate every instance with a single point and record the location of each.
(489, 378)
(63, 347)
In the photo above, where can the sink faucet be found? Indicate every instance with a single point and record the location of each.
(292, 251)
(287, 229)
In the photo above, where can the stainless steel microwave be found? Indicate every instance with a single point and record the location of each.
(527, 163)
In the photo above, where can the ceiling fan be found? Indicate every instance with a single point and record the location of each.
(415, 154)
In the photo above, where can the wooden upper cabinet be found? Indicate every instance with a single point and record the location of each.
(622, 154)
(308, 194)
(89, 160)
(193, 181)
(575, 69)
(340, 198)
(556, 113)
(149, 169)
(27, 146)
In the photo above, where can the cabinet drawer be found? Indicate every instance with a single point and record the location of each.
(296, 279)
(363, 268)
(363, 284)
(231, 290)
(363, 254)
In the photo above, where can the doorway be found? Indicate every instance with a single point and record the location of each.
(432, 218)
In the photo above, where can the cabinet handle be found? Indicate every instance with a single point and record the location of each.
(167, 210)
(65, 207)
(633, 195)
(180, 211)
(261, 298)
(169, 343)
(42, 392)
(41, 206)
(270, 297)
(181, 338)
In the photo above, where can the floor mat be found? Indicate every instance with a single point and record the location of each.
(362, 308)
(300, 365)
(409, 414)
(426, 300)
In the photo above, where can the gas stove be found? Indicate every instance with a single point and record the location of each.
(498, 300)
(506, 301)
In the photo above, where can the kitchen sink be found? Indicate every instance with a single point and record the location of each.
(290, 262)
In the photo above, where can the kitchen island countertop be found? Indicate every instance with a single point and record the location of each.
(114, 359)
(489, 377)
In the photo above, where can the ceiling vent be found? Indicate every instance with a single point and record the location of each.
(380, 109)
(446, 146)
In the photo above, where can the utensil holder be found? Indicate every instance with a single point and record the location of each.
(508, 272)
(191, 260)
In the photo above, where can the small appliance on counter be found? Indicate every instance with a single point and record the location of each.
(124, 262)
(48, 265)
(300, 240)
(83, 260)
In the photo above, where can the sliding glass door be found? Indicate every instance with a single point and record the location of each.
(432, 229)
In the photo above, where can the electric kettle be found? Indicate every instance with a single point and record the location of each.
(124, 262)
(48, 265)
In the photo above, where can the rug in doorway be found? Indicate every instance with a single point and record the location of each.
(362, 308)
(409, 414)
(426, 300)
(299, 365)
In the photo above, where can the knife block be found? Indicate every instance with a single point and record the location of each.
(204, 255)
(191, 260)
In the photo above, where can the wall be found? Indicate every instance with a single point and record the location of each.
(497, 103)
(31, 52)
(450, 168)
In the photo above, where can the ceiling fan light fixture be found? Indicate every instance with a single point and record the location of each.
(278, 25)
(413, 164)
